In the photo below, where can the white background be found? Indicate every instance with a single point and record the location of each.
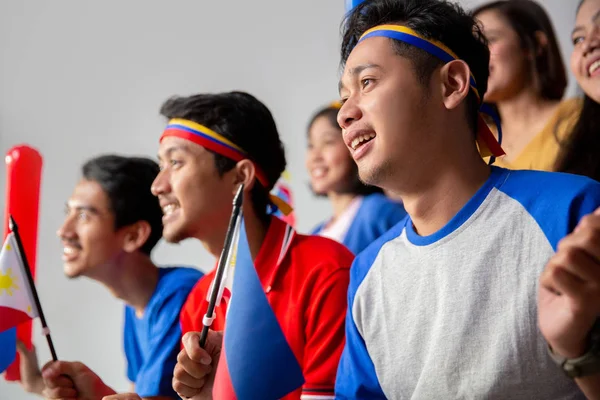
(82, 78)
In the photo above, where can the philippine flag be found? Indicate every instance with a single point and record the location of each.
(256, 361)
(17, 303)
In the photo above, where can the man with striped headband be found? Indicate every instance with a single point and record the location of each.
(211, 144)
(471, 295)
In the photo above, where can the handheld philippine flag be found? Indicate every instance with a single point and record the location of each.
(17, 303)
(256, 360)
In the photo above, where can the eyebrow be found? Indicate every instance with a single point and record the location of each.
(173, 149)
(594, 18)
(357, 70)
(90, 209)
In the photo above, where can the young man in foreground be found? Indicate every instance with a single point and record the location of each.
(463, 299)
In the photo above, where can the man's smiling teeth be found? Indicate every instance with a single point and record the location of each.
(69, 250)
(594, 67)
(168, 209)
(362, 138)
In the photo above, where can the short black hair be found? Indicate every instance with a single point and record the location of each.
(243, 119)
(127, 182)
(526, 18)
(356, 187)
(438, 20)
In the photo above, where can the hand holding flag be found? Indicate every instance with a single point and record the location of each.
(194, 373)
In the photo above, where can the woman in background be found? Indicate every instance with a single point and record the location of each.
(526, 83)
(360, 213)
(581, 154)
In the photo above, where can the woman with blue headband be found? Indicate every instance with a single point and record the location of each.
(361, 213)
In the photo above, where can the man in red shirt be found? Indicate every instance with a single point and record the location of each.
(211, 145)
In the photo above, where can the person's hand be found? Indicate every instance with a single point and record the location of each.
(72, 381)
(31, 376)
(194, 373)
(123, 396)
(569, 295)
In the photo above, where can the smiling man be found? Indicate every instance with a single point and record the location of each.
(112, 223)
(212, 143)
(471, 296)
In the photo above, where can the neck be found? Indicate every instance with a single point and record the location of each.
(523, 108)
(340, 202)
(132, 278)
(442, 183)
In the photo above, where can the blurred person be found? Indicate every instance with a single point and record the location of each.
(361, 213)
(527, 83)
(581, 154)
(112, 224)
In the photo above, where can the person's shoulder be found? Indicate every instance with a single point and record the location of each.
(566, 116)
(315, 246)
(570, 105)
(175, 278)
(198, 292)
(558, 186)
(368, 255)
(556, 201)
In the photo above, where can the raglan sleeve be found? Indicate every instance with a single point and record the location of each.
(356, 376)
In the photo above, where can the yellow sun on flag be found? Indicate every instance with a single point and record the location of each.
(7, 282)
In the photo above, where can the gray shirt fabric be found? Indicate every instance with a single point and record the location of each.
(454, 315)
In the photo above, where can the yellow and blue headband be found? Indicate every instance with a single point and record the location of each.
(488, 144)
(211, 140)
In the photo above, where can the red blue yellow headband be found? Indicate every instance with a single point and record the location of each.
(488, 144)
(211, 140)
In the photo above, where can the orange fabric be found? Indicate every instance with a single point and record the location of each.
(541, 152)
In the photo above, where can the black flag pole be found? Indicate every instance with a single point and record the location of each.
(223, 261)
(15, 230)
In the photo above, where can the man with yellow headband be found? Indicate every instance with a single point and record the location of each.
(212, 144)
(470, 296)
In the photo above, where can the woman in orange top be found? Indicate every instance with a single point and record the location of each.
(526, 84)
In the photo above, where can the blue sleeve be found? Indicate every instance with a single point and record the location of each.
(131, 348)
(356, 375)
(376, 216)
(156, 373)
(557, 201)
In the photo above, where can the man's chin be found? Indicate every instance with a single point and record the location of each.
(174, 236)
(71, 272)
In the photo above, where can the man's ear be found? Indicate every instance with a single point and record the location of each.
(136, 236)
(245, 172)
(456, 83)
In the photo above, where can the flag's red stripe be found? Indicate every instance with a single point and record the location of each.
(10, 317)
(223, 388)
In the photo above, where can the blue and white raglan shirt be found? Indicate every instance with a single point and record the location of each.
(153, 341)
(453, 315)
(375, 215)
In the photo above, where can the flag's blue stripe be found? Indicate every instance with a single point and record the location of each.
(8, 348)
(260, 361)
